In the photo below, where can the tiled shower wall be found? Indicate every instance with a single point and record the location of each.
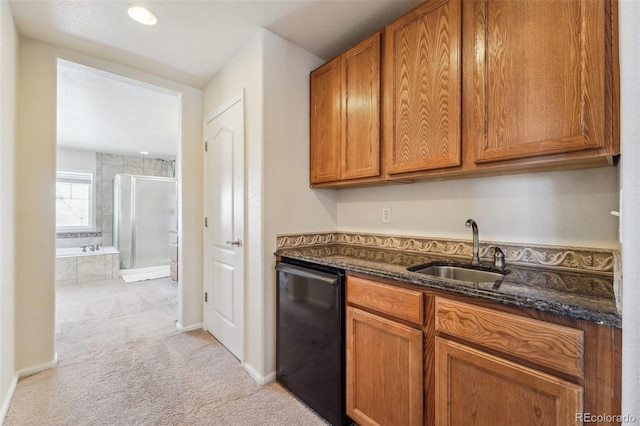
(107, 166)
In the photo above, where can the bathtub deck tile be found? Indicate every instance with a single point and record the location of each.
(116, 265)
(108, 266)
(66, 268)
(91, 266)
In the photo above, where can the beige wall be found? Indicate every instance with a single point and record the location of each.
(290, 206)
(8, 82)
(244, 72)
(189, 174)
(274, 74)
(570, 208)
(35, 177)
(35, 222)
(630, 184)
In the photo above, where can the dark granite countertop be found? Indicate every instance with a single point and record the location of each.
(580, 295)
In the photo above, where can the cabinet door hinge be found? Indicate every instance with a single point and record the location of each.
(206, 296)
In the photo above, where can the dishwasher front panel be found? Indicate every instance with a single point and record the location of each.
(310, 339)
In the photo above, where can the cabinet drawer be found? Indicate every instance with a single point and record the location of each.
(387, 299)
(551, 345)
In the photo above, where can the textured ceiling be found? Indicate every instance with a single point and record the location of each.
(103, 112)
(192, 41)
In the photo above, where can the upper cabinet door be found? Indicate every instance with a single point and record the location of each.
(422, 88)
(361, 97)
(539, 80)
(326, 122)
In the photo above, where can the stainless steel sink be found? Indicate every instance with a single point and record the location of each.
(473, 274)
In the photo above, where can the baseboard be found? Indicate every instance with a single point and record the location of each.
(183, 329)
(257, 377)
(7, 399)
(38, 368)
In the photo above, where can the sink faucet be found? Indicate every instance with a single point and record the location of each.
(498, 257)
(476, 246)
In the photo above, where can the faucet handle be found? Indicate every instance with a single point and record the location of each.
(498, 257)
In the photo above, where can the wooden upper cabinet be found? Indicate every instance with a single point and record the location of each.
(326, 122)
(539, 78)
(360, 155)
(345, 115)
(422, 86)
(457, 87)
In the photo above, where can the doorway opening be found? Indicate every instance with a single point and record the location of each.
(112, 128)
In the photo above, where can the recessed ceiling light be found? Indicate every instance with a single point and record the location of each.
(142, 15)
(144, 153)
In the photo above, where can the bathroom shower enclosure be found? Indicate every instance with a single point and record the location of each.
(145, 211)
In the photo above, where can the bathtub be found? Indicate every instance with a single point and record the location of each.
(77, 251)
(74, 266)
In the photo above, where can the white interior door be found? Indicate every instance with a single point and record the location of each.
(224, 230)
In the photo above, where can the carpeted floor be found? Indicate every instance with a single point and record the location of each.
(122, 362)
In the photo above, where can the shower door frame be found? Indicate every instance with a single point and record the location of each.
(117, 222)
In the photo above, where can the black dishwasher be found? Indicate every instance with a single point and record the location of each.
(310, 355)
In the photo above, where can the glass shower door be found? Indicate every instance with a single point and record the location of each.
(156, 206)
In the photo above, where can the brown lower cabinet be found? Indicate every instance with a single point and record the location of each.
(418, 356)
(384, 343)
(476, 388)
(385, 388)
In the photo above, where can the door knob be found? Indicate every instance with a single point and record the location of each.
(234, 243)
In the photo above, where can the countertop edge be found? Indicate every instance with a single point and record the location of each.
(549, 306)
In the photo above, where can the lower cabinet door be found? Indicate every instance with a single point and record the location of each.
(475, 388)
(384, 371)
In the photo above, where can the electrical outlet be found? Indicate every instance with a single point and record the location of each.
(386, 215)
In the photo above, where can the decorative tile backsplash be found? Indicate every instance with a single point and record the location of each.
(77, 239)
(78, 234)
(569, 258)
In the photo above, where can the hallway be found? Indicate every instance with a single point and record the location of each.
(122, 362)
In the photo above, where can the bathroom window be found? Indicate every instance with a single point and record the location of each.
(74, 201)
